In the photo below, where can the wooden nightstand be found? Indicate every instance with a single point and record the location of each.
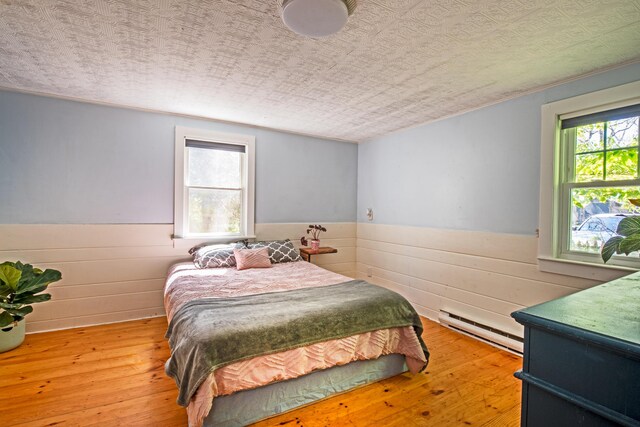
(306, 253)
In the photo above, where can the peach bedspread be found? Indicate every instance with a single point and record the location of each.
(186, 283)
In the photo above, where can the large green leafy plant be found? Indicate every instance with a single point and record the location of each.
(19, 284)
(627, 239)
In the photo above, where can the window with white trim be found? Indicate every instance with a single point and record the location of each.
(599, 173)
(214, 184)
(589, 171)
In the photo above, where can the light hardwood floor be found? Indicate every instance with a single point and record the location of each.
(112, 375)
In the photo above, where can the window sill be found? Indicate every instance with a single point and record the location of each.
(586, 270)
(213, 238)
(188, 242)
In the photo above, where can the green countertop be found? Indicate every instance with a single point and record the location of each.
(611, 310)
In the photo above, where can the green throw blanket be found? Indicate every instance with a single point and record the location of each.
(210, 333)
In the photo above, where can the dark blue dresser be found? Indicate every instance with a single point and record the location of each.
(581, 362)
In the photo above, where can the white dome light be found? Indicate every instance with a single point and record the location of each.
(315, 18)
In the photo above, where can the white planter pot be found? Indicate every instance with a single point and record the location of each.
(13, 338)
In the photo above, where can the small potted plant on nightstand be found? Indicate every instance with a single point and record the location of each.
(19, 284)
(315, 231)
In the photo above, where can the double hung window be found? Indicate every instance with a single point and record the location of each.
(599, 157)
(214, 184)
(589, 172)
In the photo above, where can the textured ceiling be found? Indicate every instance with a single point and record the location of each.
(397, 63)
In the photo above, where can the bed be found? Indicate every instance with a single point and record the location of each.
(268, 376)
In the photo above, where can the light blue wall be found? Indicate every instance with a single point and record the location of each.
(476, 171)
(77, 163)
(68, 162)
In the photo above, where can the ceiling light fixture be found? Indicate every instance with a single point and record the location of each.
(317, 18)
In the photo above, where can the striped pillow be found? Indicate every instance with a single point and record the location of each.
(252, 258)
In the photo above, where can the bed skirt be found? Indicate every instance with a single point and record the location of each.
(249, 406)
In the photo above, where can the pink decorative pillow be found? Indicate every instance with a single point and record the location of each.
(252, 258)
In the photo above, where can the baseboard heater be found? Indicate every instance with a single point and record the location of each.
(485, 333)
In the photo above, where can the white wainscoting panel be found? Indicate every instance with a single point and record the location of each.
(478, 275)
(116, 272)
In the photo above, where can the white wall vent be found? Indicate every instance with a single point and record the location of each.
(488, 334)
